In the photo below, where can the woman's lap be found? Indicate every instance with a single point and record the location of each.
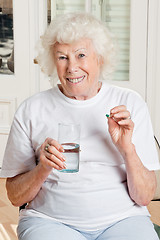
(138, 227)
(132, 228)
(35, 228)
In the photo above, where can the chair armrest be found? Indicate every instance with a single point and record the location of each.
(157, 193)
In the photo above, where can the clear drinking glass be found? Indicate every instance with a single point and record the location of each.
(69, 138)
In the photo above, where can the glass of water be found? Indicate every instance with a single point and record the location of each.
(69, 138)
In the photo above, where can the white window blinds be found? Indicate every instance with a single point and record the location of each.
(66, 6)
(116, 15)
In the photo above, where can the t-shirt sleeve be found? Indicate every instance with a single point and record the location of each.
(143, 135)
(19, 156)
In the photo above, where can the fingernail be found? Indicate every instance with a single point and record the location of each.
(61, 149)
(64, 165)
(113, 111)
(107, 115)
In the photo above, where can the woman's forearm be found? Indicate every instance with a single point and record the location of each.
(24, 187)
(141, 182)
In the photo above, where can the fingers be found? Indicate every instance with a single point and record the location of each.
(119, 112)
(54, 143)
(51, 154)
(49, 164)
(121, 115)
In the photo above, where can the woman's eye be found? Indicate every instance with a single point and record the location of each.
(81, 55)
(62, 58)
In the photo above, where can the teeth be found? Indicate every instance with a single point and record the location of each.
(75, 80)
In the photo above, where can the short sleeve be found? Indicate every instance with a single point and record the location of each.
(19, 156)
(143, 135)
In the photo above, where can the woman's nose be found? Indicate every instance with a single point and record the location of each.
(72, 66)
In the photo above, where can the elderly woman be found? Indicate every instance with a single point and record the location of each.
(107, 198)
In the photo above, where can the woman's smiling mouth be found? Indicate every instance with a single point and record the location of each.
(75, 80)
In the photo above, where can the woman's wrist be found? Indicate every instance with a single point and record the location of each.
(44, 170)
(128, 152)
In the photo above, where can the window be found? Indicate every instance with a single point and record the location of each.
(6, 37)
(116, 15)
(57, 7)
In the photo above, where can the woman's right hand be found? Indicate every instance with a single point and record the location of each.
(24, 187)
(51, 155)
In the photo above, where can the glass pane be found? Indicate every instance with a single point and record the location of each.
(6, 37)
(56, 7)
(116, 15)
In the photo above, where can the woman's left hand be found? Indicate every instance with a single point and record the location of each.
(121, 128)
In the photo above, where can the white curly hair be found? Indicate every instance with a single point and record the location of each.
(69, 28)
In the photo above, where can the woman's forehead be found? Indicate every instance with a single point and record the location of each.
(81, 45)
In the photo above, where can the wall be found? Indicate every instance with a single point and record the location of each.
(153, 65)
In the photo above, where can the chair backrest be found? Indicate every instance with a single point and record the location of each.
(22, 207)
(157, 193)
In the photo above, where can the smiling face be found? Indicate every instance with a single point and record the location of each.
(78, 68)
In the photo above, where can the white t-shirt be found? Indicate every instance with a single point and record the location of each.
(97, 195)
